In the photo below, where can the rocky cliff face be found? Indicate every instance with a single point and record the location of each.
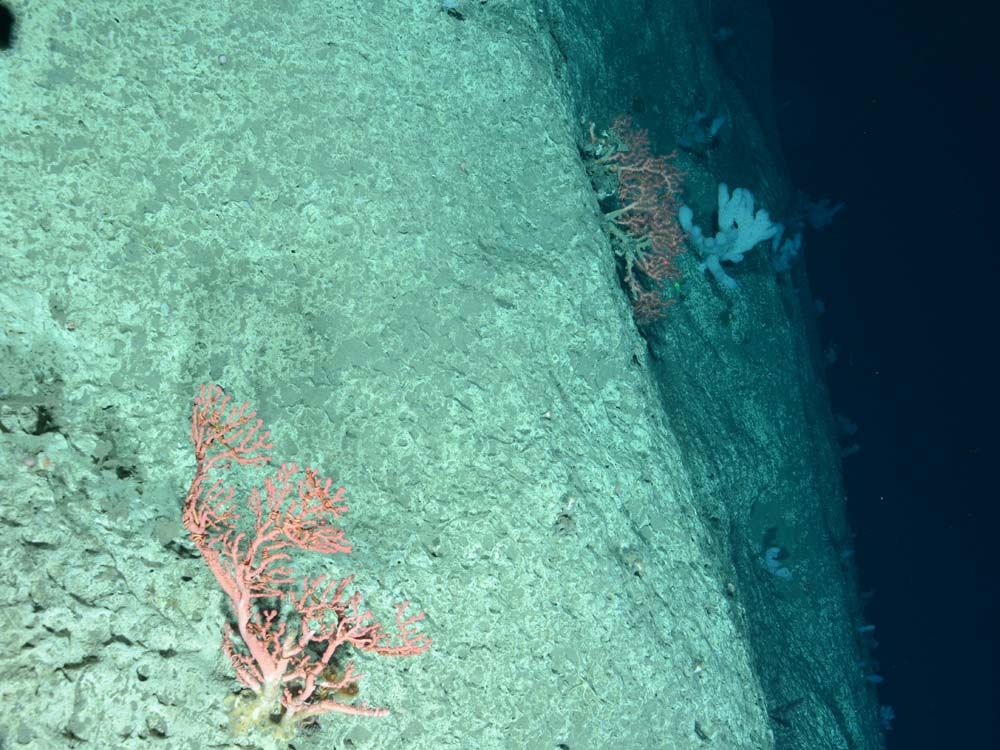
(375, 223)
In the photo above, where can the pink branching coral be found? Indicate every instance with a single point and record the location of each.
(285, 636)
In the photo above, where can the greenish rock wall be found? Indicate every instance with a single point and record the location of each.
(372, 221)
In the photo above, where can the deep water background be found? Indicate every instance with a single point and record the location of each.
(890, 106)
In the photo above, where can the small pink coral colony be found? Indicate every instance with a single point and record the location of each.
(285, 637)
(649, 188)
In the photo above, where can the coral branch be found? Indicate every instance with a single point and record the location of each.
(285, 640)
